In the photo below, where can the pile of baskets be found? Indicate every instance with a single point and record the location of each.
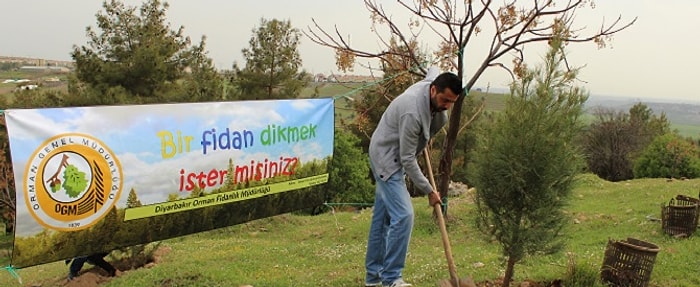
(630, 262)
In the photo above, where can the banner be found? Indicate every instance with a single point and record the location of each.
(93, 179)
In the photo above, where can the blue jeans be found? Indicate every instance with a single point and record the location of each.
(94, 259)
(390, 230)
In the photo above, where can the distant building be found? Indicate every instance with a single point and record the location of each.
(16, 81)
(320, 78)
(35, 61)
(44, 69)
(28, 87)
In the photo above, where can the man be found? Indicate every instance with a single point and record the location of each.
(406, 126)
(94, 259)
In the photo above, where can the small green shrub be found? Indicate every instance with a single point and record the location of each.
(581, 274)
(349, 171)
(668, 156)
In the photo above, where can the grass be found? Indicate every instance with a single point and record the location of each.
(334, 89)
(7, 90)
(692, 131)
(493, 102)
(328, 250)
(6, 243)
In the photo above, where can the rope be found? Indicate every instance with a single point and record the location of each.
(348, 93)
(331, 204)
(13, 272)
(348, 203)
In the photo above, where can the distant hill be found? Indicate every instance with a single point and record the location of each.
(684, 115)
(677, 113)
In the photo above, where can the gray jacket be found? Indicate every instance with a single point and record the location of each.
(403, 132)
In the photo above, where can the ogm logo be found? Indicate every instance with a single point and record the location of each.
(71, 182)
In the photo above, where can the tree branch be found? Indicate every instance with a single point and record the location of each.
(476, 114)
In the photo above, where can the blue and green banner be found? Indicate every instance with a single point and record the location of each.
(93, 179)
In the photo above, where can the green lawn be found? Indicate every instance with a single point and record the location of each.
(328, 250)
(6, 241)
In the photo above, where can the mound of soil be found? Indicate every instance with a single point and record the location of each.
(92, 276)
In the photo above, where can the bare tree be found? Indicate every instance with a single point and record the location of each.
(615, 139)
(510, 25)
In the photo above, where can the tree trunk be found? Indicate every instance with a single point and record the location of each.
(445, 167)
(509, 272)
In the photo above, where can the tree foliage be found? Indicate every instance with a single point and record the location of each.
(132, 199)
(348, 171)
(507, 27)
(372, 103)
(668, 156)
(526, 161)
(9, 66)
(8, 199)
(134, 56)
(272, 63)
(615, 139)
(473, 117)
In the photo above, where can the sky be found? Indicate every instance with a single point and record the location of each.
(654, 59)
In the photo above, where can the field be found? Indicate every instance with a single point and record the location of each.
(692, 131)
(494, 102)
(8, 89)
(328, 249)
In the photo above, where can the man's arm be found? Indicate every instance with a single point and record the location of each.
(409, 132)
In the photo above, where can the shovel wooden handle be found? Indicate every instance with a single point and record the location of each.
(441, 222)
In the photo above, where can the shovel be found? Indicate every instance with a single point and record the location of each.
(454, 280)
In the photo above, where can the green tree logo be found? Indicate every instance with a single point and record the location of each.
(74, 180)
(80, 181)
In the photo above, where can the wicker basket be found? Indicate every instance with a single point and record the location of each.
(628, 263)
(680, 217)
(689, 200)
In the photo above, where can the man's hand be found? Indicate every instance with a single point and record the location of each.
(434, 198)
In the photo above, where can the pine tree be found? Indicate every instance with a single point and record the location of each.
(348, 170)
(132, 200)
(526, 162)
(134, 56)
(272, 63)
(230, 183)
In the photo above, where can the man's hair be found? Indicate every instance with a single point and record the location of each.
(448, 80)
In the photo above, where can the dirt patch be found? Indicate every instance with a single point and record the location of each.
(92, 276)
